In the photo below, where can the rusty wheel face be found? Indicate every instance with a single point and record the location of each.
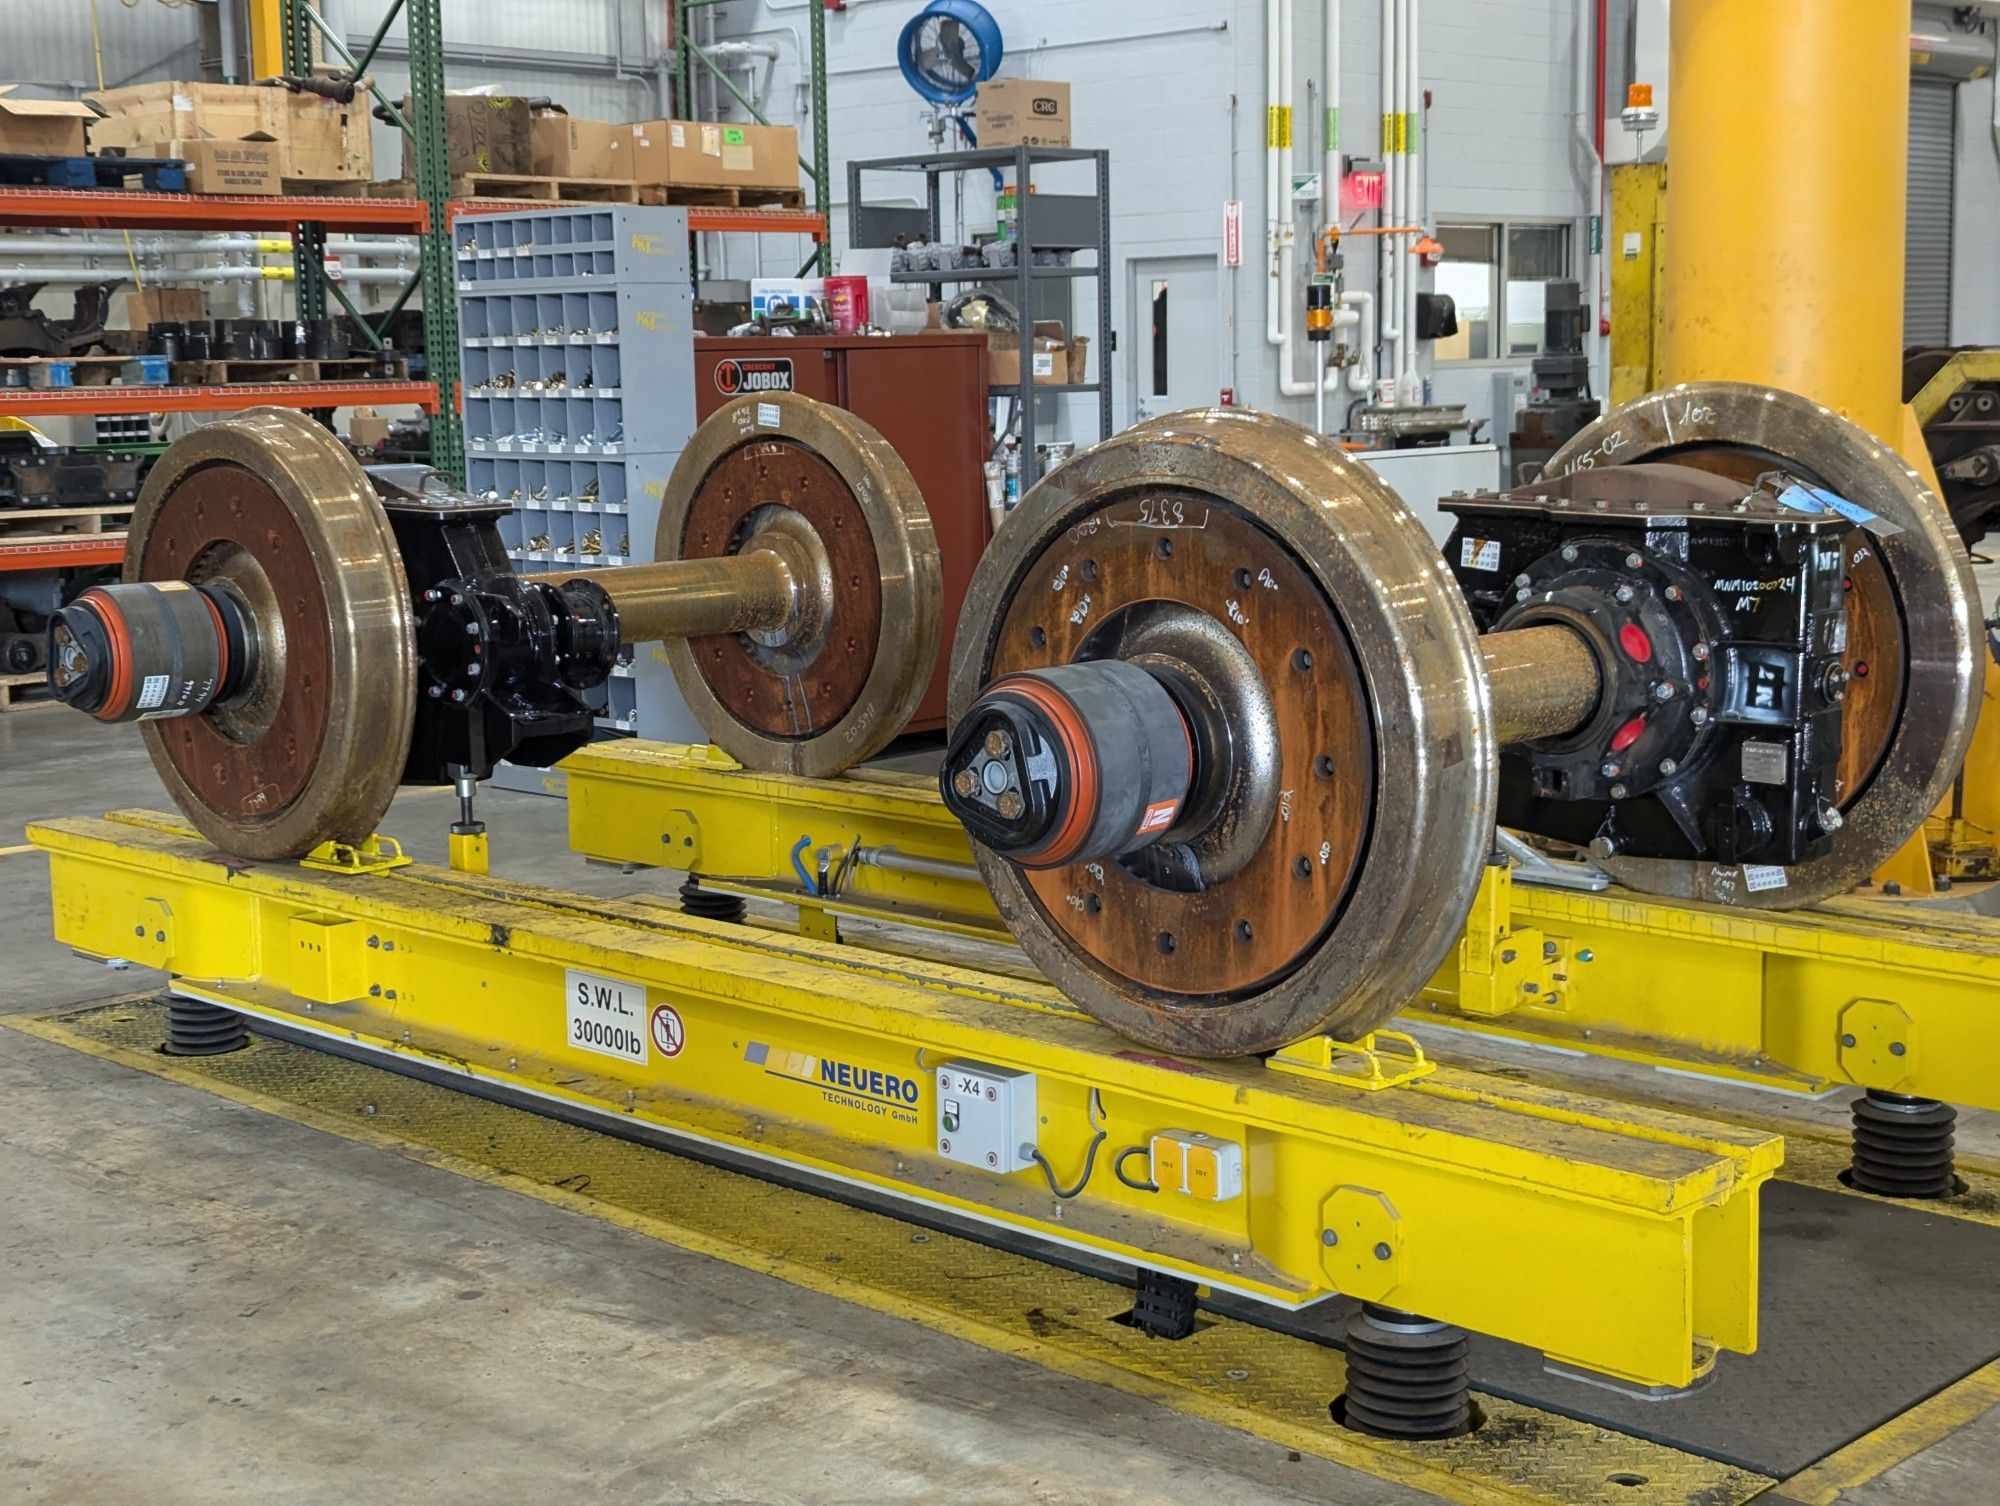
(1329, 674)
(1912, 620)
(311, 749)
(817, 704)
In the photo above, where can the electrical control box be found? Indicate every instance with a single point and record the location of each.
(986, 1116)
(1197, 1165)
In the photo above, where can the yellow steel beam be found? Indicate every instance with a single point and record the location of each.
(267, 38)
(1766, 996)
(1457, 1195)
(1638, 236)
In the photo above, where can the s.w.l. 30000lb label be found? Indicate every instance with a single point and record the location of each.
(605, 1015)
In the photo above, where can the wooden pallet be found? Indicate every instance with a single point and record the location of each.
(153, 174)
(52, 522)
(512, 187)
(223, 373)
(18, 692)
(337, 188)
(727, 198)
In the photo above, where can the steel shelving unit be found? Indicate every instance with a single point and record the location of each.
(22, 208)
(818, 167)
(1058, 224)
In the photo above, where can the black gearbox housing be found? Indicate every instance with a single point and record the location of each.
(504, 660)
(1717, 615)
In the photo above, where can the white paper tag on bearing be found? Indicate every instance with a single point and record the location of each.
(152, 692)
(1479, 554)
(1758, 877)
(768, 416)
(605, 1015)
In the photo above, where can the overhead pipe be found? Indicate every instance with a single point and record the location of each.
(1590, 87)
(1410, 383)
(277, 274)
(1277, 97)
(1388, 286)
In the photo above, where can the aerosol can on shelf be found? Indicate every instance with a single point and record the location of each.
(1013, 470)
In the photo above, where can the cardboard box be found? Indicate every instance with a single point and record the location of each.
(316, 138)
(145, 114)
(483, 133)
(367, 429)
(162, 306)
(562, 145)
(1050, 357)
(326, 141)
(1023, 112)
(1079, 358)
(42, 127)
(705, 154)
(781, 295)
(224, 166)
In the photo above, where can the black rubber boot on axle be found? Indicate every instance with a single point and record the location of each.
(198, 1029)
(1902, 1146)
(1407, 1377)
(709, 905)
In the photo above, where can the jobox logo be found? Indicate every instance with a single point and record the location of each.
(739, 378)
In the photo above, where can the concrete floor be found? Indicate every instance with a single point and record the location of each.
(206, 1304)
(202, 1303)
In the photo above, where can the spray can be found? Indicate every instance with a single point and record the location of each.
(1013, 470)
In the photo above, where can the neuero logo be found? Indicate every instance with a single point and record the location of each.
(889, 1086)
(733, 377)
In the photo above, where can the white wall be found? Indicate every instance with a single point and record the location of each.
(1975, 269)
(1174, 88)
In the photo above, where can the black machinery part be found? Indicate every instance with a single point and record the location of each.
(1716, 613)
(504, 660)
(1071, 764)
(145, 651)
(26, 331)
(1407, 1377)
(1903, 1146)
(1962, 436)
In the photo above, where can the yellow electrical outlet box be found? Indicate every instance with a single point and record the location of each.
(1197, 1165)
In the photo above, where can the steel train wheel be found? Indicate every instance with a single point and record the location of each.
(1310, 614)
(816, 707)
(1914, 622)
(312, 748)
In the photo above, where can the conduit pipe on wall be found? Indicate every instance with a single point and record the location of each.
(1281, 292)
(1413, 181)
(1388, 285)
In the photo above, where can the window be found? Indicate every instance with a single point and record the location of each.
(1498, 275)
(1469, 274)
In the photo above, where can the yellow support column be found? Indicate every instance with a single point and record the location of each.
(1788, 138)
(267, 38)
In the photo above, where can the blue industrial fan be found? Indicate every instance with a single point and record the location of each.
(948, 50)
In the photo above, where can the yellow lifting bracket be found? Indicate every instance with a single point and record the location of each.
(1381, 1059)
(378, 854)
(1444, 1194)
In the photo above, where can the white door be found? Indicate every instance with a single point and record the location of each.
(1176, 334)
